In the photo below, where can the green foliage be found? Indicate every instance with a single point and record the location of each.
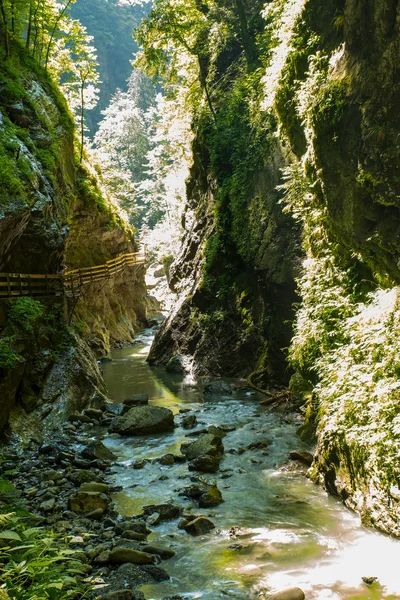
(36, 564)
(25, 313)
(8, 356)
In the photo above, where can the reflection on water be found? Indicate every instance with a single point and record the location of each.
(287, 533)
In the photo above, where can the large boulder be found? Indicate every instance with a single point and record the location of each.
(205, 453)
(143, 420)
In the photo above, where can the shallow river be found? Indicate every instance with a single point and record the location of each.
(291, 533)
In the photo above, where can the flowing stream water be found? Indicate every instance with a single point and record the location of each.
(290, 533)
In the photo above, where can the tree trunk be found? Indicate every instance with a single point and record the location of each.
(29, 30)
(82, 117)
(203, 81)
(247, 42)
(53, 31)
(4, 20)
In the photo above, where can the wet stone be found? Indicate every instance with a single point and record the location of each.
(133, 535)
(294, 593)
(137, 400)
(97, 450)
(129, 555)
(301, 456)
(199, 526)
(86, 502)
(189, 421)
(167, 459)
(163, 553)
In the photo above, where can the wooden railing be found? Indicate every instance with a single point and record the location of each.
(68, 283)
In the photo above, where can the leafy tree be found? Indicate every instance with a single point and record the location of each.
(78, 64)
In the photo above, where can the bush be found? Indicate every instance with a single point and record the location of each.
(25, 313)
(8, 356)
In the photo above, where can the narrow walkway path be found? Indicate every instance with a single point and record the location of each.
(69, 283)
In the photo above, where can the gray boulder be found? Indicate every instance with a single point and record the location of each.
(143, 420)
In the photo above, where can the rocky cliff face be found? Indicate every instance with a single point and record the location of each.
(331, 84)
(236, 284)
(53, 216)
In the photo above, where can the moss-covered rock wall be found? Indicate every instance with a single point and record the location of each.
(54, 216)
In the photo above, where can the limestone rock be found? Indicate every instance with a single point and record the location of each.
(143, 420)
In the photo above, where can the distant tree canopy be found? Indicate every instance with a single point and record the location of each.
(181, 39)
(111, 23)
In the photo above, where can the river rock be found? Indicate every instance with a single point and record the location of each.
(113, 408)
(199, 526)
(218, 431)
(121, 556)
(211, 498)
(131, 576)
(301, 456)
(94, 413)
(94, 487)
(82, 476)
(217, 388)
(206, 496)
(86, 502)
(97, 450)
(163, 553)
(137, 400)
(189, 421)
(139, 527)
(175, 365)
(294, 593)
(143, 420)
(48, 505)
(167, 512)
(79, 418)
(204, 454)
(154, 519)
(134, 536)
(167, 459)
